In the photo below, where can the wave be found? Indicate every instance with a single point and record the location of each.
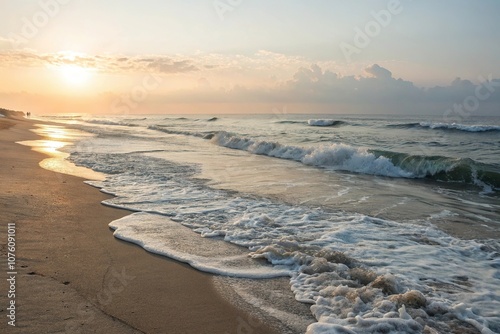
(212, 119)
(62, 117)
(290, 122)
(461, 127)
(447, 126)
(337, 262)
(180, 119)
(344, 157)
(324, 122)
(440, 168)
(404, 125)
(161, 128)
(108, 122)
(135, 119)
(373, 162)
(331, 156)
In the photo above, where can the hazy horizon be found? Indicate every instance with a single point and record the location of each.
(219, 56)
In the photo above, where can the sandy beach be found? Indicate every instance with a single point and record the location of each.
(250, 167)
(73, 276)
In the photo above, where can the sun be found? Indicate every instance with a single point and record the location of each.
(75, 75)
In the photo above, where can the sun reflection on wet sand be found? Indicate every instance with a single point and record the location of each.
(55, 138)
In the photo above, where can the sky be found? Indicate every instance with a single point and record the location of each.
(437, 57)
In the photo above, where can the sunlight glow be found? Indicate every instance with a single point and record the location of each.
(55, 138)
(74, 74)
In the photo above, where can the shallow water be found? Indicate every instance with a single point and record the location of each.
(379, 223)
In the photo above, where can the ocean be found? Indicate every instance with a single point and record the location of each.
(378, 224)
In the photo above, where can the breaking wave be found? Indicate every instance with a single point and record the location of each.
(447, 126)
(108, 122)
(374, 162)
(205, 135)
(325, 122)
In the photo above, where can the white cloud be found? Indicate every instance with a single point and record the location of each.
(219, 78)
(377, 91)
(105, 63)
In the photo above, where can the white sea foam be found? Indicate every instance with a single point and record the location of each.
(322, 122)
(443, 214)
(110, 122)
(176, 132)
(102, 122)
(331, 156)
(145, 229)
(352, 268)
(359, 273)
(461, 127)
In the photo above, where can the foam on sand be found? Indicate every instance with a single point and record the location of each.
(212, 256)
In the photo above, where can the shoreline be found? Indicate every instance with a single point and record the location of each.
(74, 276)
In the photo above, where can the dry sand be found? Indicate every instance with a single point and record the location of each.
(73, 276)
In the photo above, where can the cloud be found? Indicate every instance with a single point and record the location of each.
(104, 63)
(315, 84)
(6, 43)
(379, 72)
(222, 69)
(245, 79)
(163, 65)
(375, 92)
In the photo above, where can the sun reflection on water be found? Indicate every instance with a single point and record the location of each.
(55, 138)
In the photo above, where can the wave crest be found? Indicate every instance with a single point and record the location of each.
(461, 127)
(324, 122)
(373, 162)
(108, 122)
(331, 156)
(447, 126)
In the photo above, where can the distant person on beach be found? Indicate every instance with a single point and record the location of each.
(28, 114)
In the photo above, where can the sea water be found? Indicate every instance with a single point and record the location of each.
(380, 224)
